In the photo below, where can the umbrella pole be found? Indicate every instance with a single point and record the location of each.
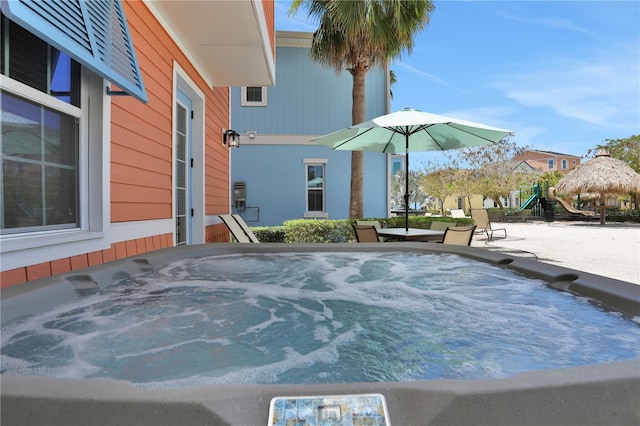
(406, 182)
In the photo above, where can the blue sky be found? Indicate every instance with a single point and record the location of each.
(563, 75)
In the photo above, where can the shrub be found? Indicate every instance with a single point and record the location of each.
(269, 234)
(616, 215)
(317, 231)
(336, 231)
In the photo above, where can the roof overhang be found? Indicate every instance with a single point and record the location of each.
(227, 40)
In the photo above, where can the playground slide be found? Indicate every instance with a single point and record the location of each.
(529, 203)
(572, 209)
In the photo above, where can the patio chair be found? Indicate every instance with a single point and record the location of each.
(366, 233)
(245, 228)
(371, 223)
(483, 224)
(234, 229)
(459, 235)
(441, 226)
(458, 213)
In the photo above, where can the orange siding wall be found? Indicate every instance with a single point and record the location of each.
(141, 153)
(269, 14)
(217, 234)
(216, 185)
(141, 140)
(214, 234)
(117, 250)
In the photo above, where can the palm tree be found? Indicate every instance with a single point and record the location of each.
(359, 34)
(417, 196)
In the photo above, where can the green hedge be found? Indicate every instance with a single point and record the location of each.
(317, 231)
(269, 234)
(615, 215)
(336, 231)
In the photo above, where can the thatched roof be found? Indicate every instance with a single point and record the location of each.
(603, 174)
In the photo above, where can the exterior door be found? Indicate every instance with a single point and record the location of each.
(183, 174)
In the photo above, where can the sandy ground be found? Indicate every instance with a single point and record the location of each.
(612, 250)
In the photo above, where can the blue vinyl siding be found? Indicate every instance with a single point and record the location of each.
(275, 176)
(308, 98)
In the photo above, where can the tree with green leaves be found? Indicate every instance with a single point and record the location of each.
(627, 150)
(357, 35)
(465, 184)
(439, 181)
(494, 172)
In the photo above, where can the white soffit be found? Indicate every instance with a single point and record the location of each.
(228, 40)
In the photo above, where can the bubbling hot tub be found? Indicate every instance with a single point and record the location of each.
(605, 392)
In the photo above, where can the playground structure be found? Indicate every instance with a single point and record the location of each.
(568, 207)
(545, 206)
(533, 200)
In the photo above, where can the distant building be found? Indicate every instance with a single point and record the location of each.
(549, 161)
(279, 173)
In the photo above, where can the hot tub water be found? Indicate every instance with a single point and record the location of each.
(317, 318)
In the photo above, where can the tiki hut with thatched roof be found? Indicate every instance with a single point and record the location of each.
(603, 175)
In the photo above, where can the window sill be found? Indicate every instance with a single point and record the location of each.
(316, 215)
(11, 243)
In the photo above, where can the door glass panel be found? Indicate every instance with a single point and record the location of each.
(180, 178)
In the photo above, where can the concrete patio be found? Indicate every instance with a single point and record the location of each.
(611, 250)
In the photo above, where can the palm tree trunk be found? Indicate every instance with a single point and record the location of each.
(356, 204)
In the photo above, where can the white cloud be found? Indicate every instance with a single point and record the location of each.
(548, 21)
(492, 116)
(603, 90)
(421, 73)
(428, 76)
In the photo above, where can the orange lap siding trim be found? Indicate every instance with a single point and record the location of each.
(141, 134)
(217, 234)
(68, 264)
(269, 13)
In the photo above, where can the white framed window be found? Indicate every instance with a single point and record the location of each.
(253, 96)
(41, 118)
(564, 164)
(551, 164)
(315, 188)
(52, 117)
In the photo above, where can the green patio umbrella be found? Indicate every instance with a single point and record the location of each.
(410, 130)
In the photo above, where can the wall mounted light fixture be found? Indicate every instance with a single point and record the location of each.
(231, 138)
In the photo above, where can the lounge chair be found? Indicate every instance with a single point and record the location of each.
(245, 228)
(371, 223)
(459, 235)
(366, 233)
(234, 228)
(458, 213)
(483, 224)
